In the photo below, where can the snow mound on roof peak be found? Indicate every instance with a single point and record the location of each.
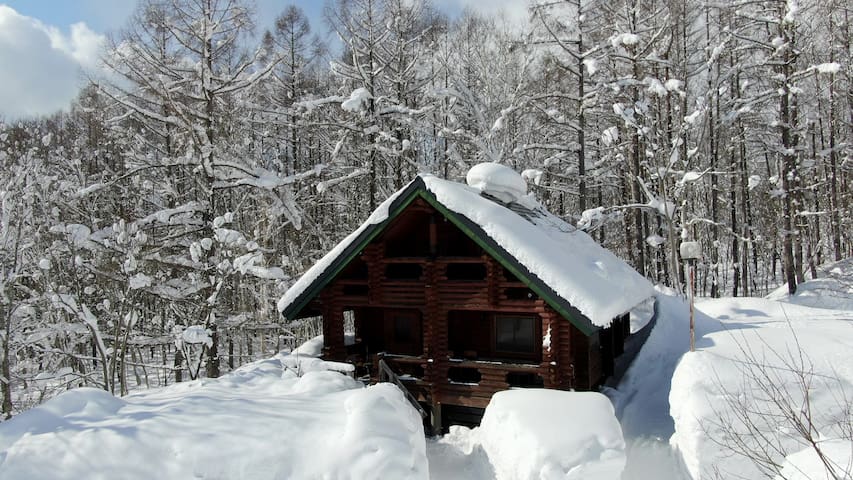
(497, 180)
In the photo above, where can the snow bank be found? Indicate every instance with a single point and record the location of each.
(642, 314)
(263, 421)
(383, 437)
(728, 389)
(642, 398)
(807, 465)
(832, 289)
(551, 434)
(459, 455)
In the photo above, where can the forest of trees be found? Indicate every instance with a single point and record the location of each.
(147, 232)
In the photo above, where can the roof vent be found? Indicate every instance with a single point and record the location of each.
(498, 181)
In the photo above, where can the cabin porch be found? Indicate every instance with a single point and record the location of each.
(456, 364)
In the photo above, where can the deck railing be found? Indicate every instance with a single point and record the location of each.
(386, 374)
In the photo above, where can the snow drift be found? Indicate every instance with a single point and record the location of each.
(551, 434)
(262, 421)
(769, 373)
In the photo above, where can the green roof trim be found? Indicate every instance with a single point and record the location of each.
(417, 189)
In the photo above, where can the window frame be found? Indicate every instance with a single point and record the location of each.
(536, 347)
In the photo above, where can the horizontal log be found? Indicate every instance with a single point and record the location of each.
(463, 401)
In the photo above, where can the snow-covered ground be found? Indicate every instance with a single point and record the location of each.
(833, 289)
(773, 377)
(756, 358)
(259, 422)
(679, 412)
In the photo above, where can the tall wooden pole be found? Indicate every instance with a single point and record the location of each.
(691, 267)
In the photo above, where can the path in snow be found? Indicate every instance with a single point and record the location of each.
(458, 456)
(642, 397)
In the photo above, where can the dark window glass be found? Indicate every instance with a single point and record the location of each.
(403, 329)
(464, 375)
(466, 271)
(515, 334)
(403, 271)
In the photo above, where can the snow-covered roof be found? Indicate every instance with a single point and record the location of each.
(562, 264)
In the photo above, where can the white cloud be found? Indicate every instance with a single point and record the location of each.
(41, 66)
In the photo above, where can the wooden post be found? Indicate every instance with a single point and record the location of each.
(550, 359)
(691, 294)
(333, 325)
(371, 256)
(561, 340)
(436, 418)
(690, 252)
(493, 271)
(435, 335)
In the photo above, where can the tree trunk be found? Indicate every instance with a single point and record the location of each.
(212, 359)
(5, 368)
(179, 361)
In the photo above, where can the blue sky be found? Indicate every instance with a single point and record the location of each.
(106, 15)
(46, 45)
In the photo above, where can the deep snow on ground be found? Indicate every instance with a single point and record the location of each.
(290, 417)
(551, 434)
(833, 289)
(763, 343)
(670, 395)
(259, 422)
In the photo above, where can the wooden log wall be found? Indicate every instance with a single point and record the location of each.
(372, 255)
(493, 379)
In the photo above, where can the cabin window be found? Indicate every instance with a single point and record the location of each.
(356, 270)
(466, 271)
(468, 334)
(355, 290)
(404, 328)
(452, 242)
(515, 334)
(519, 293)
(525, 380)
(464, 375)
(408, 236)
(403, 271)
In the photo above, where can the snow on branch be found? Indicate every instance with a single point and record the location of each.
(325, 185)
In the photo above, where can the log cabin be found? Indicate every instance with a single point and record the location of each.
(459, 291)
